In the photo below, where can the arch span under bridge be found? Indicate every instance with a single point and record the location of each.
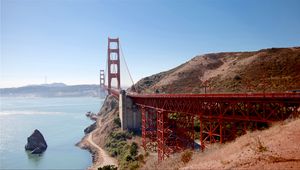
(173, 122)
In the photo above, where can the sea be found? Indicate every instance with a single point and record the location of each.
(60, 120)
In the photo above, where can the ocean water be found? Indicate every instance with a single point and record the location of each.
(60, 120)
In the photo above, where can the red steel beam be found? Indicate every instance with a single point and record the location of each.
(149, 128)
(222, 116)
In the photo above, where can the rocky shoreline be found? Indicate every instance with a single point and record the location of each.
(95, 134)
(83, 144)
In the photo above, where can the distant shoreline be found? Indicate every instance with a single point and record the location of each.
(52, 90)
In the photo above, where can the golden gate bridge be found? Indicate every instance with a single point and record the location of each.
(168, 120)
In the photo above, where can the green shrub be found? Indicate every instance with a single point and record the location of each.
(108, 167)
(121, 136)
(133, 149)
(117, 121)
(128, 157)
(133, 165)
(126, 153)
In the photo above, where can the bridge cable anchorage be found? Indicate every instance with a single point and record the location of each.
(123, 57)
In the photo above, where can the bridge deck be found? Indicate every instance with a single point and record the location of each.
(287, 95)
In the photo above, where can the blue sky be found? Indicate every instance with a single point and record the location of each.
(66, 40)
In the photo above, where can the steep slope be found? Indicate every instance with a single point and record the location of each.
(271, 70)
(275, 148)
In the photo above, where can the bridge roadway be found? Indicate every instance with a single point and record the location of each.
(168, 119)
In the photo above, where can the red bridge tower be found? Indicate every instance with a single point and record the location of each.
(113, 64)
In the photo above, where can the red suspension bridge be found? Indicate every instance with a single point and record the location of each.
(168, 120)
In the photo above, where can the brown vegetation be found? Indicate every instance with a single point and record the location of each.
(270, 70)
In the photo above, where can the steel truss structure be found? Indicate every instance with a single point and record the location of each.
(168, 119)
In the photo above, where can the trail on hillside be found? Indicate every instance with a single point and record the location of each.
(104, 158)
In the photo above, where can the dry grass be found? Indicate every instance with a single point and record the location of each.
(259, 146)
(277, 147)
(274, 148)
(269, 70)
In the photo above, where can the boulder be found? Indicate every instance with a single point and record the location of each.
(91, 115)
(36, 143)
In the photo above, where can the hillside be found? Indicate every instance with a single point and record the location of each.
(275, 148)
(270, 70)
(51, 90)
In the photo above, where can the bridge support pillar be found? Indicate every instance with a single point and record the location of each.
(161, 135)
(129, 113)
(149, 129)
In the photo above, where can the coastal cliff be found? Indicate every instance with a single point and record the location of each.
(94, 140)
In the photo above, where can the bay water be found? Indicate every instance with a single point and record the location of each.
(60, 120)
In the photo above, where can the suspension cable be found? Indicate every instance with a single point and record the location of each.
(106, 70)
(127, 67)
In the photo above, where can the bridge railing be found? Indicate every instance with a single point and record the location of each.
(238, 95)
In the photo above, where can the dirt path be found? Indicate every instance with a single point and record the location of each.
(105, 159)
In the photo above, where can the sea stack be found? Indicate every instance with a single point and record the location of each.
(36, 143)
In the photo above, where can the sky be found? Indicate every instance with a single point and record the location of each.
(66, 40)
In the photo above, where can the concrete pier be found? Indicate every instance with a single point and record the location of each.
(129, 114)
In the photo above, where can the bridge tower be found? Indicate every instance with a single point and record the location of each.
(113, 62)
(102, 79)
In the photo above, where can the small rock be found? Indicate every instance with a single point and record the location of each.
(91, 115)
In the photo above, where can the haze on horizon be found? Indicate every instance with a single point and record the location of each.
(66, 41)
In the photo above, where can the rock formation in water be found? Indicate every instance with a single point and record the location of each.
(91, 115)
(36, 143)
(90, 128)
